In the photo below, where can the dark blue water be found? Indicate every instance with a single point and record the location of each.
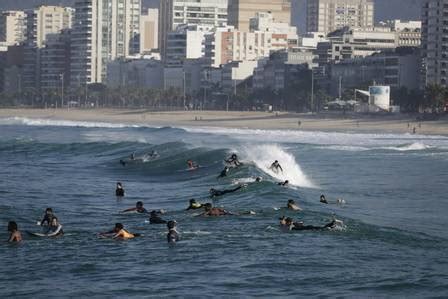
(394, 242)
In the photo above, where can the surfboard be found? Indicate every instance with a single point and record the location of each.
(53, 234)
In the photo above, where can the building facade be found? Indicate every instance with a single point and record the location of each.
(12, 27)
(435, 42)
(241, 11)
(172, 13)
(103, 31)
(329, 15)
(149, 31)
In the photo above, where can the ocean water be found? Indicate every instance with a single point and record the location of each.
(394, 242)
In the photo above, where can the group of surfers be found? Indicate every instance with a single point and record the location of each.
(53, 228)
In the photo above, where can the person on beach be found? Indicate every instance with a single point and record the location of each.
(284, 184)
(215, 193)
(119, 233)
(154, 218)
(275, 167)
(323, 199)
(119, 191)
(14, 234)
(293, 206)
(233, 159)
(194, 205)
(173, 234)
(138, 208)
(224, 172)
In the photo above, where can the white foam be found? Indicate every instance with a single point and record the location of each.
(416, 146)
(61, 123)
(263, 156)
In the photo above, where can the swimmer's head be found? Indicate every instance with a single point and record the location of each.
(119, 185)
(208, 206)
(49, 211)
(171, 224)
(288, 221)
(118, 227)
(12, 226)
(139, 204)
(322, 196)
(258, 179)
(192, 201)
(291, 202)
(212, 190)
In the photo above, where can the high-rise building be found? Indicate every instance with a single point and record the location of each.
(149, 31)
(435, 42)
(12, 27)
(173, 13)
(229, 44)
(329, 15)
(241, 11)
(103, 30)
(41, 22)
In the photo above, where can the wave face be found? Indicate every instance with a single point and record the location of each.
(394, 188)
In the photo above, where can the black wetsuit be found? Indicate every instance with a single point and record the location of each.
(47, 220)
(154, 219)
(172, 236)
(222, 192)
(312, 227)
(119, 192)
(223, 173)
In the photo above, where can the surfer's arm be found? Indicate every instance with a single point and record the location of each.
(129, 210)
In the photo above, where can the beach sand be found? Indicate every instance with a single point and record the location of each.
(234, 119)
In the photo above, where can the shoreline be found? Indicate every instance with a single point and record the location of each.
(327, 122)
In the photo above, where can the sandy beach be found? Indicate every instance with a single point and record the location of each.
(234, 119)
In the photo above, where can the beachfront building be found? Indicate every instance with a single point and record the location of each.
(347, 43)
(55, 61)
(186, 42)
(12, 27)
(409, 32)
(235, 72)
(149, 31)
(141, 72)
(395, 68)
(435, 42)
(329, 15)
(241, 11)
(41, 22)
(172, 13)
(103, 31)
(228, 44)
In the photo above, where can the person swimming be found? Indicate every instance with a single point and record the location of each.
(48, 217)
(323, 199)
(154, 218)
(192, 165)
(275, 167)
(233, 159)
(194, 205)
(289, 224)
(211, 211)
(172, 235)
(215, 193)
(224, 172)
(122, 162)
(55, 228)
(138, 208)
(293, 206)
(119, 233)
(119, 191)
(15, 236)
(258, 179)
(285, 183)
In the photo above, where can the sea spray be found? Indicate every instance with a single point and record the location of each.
(263, 156)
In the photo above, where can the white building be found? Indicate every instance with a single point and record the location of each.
(12, 27)
(329, 15)
(173, 13)
(186, 42)
(103, 31)
(228, 44)
(235, 72)
(149, 31)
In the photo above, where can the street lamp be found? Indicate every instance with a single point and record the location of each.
(62, 90)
